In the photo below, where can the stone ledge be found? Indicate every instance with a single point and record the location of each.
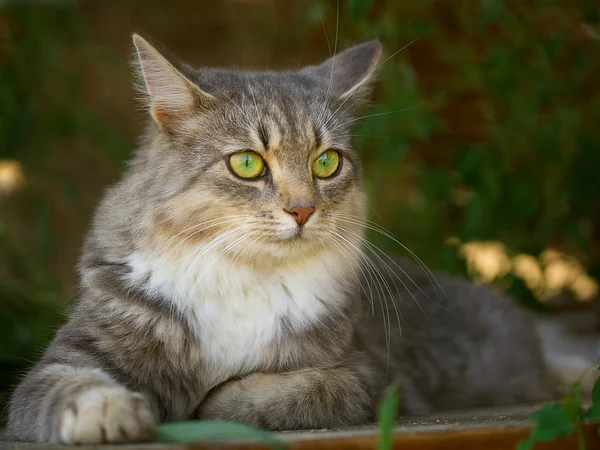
(489, 429)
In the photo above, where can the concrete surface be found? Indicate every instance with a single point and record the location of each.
(512, 416)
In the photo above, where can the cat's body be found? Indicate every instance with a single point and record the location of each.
(217, 295)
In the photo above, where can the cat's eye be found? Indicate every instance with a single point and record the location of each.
(326, 165)
(247, 164)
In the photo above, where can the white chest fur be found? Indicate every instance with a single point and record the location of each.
(237, 312)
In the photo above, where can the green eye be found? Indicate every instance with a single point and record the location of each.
(247, 164)
(326, 164)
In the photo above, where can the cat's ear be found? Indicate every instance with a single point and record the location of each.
(170, 94)
(349, 73)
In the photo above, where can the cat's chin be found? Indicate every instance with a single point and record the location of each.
(286, 248)
(291, 234)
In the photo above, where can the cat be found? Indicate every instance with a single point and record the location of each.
(224, 277)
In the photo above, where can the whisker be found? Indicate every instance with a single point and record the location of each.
(244, 236)
(324, 30)
(369, 275)
(353, 255)
(383, 231)
(218, 241)
(173, 250)
(418, 105)
(396, 52)
(376, 250)
(381, 281)
(239, 236)
(348, 122)
(333, 116)
(358, 86)
(219, 221)
(337, 24)
(247, 249)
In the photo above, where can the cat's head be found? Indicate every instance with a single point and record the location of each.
(258, 164)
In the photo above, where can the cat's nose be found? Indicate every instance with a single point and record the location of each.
(301, 214)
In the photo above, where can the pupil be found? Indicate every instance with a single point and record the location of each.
(247, 160)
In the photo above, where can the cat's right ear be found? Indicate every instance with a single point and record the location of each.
(349, 73)
(170, 94)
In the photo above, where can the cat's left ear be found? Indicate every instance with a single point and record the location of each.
(171, 94)
(349, 73)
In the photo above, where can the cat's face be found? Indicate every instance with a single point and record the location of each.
(257, 165)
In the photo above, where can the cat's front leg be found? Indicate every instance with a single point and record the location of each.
(63, 404)
(337, 396)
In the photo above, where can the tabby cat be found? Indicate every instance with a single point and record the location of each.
(224, 277)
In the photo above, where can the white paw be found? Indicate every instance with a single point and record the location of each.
(106, 415)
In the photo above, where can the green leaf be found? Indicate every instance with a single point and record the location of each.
(388, 409)
(526, 444)
(571, 404)
(211, 430)
(593, 413)
(596, 391)
(552, 422)
(315, 14)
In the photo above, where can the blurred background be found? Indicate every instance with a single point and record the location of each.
(489, 168)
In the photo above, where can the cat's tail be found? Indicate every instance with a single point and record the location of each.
(571, 348)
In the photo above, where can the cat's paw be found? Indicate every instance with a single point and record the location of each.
(106, 415)
(232, 401)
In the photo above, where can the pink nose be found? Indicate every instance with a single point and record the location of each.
(301, 214)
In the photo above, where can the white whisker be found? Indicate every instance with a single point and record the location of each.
(384, 232)
(214, 223)
(350, 252)
(418, 105)
(337, 23)
(376, 250)
(359, 85)
(216, 242)
(242, 237)
(324, 30)
(381, 282)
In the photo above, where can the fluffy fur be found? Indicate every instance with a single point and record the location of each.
(201, 297)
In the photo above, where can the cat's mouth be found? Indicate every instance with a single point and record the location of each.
(292, 233)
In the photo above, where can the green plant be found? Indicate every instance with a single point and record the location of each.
(212, 430)
(562, 419)
(386, 417)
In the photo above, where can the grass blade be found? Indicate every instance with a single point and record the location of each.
(386, 417)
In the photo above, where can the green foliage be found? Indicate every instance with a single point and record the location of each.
(40, 115)
(527, 165)
(562, 419)
(386, 417)
(212, 430)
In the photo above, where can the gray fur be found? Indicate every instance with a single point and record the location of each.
(127, 342)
